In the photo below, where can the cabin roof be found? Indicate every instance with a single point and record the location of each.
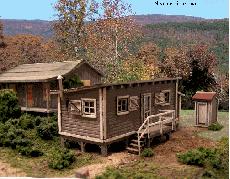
(114, 84)
(204, 95)
(41, 72)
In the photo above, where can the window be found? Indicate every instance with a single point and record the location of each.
(89, 108)
(162, 98)
(122, 105)
(85, 107)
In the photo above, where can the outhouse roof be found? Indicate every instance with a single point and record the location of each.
(204, 95)
(40, 72)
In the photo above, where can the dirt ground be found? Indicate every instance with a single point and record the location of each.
(181, 141)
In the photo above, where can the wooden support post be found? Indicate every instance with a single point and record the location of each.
(149, 141)
(47, 97)
(62, 142)
(26, 90)
(82, 146)
(126, 142)
(168, 136)
(104, 150)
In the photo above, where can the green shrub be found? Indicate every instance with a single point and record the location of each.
(147, 153)
(215, 127)
(216, 162)
(61, 158)
(208, 174)
(19, 141)
(29, 151)
(207, 151)
(26, 122)
(9, 107)
(111, 173)
(37, 120)
(47, 130)
(192, 157)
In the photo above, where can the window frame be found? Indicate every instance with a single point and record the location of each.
(169, 98)
(88, 114)
(127, 105)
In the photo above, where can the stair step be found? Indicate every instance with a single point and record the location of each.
(141, 141)
(136, 145)
(132, 149)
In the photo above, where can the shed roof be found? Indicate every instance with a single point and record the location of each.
(204, 95)
(114, 84)
(40, 72)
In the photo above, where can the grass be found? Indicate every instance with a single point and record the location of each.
(191, 112)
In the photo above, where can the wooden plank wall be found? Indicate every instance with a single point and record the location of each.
(121, 124)
(87, 73)
(76, 124)
(21, 94)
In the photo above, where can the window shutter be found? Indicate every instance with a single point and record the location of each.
(133, 103)
(159, 98)
(75, 107)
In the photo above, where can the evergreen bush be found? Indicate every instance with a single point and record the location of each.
(47, 130)
(192, 157)
(112, 173)
(147, 153)
(61, 158)
(215, 127)
(29, 151)
(26, 122)
(9, 107)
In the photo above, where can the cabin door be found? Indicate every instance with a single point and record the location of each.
(202, 113)
(146, 106)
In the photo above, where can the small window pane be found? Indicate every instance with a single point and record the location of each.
(86, 109)
(119, 102)
(87, 104)
(167, 97)
(91, 110)
(91, 104)
(119, 108)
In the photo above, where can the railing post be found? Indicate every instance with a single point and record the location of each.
(148, 127)
(139, 143)
(160, 125)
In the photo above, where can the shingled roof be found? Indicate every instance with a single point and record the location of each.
(40, 72)
(204, 95)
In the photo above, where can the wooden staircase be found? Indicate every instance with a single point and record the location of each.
(133, 144)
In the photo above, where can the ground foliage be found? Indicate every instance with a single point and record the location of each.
(9, 107)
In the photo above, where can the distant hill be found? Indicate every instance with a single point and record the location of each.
(159, 18)
(41, 27)
(35, 27)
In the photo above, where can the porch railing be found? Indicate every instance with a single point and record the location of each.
(162, 120)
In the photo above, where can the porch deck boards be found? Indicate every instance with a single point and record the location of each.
(35, 109)
(155, 130)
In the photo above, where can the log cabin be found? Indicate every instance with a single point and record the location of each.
(133, 112)
(33, 82)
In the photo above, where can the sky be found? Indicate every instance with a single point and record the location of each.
(43, 10)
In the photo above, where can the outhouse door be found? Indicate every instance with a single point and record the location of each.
(202, 112)
(145, 106)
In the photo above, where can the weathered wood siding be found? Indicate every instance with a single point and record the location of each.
(76, 124)
(85, 72)
(214, 109)
(121, 124)
(21, 94)
(54, 98)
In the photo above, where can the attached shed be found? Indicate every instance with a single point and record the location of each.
(33, 82)
(206, 108)
(133, 112)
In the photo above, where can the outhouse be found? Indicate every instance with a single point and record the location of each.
(206, 108)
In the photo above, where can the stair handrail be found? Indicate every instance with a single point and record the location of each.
(154, 123)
